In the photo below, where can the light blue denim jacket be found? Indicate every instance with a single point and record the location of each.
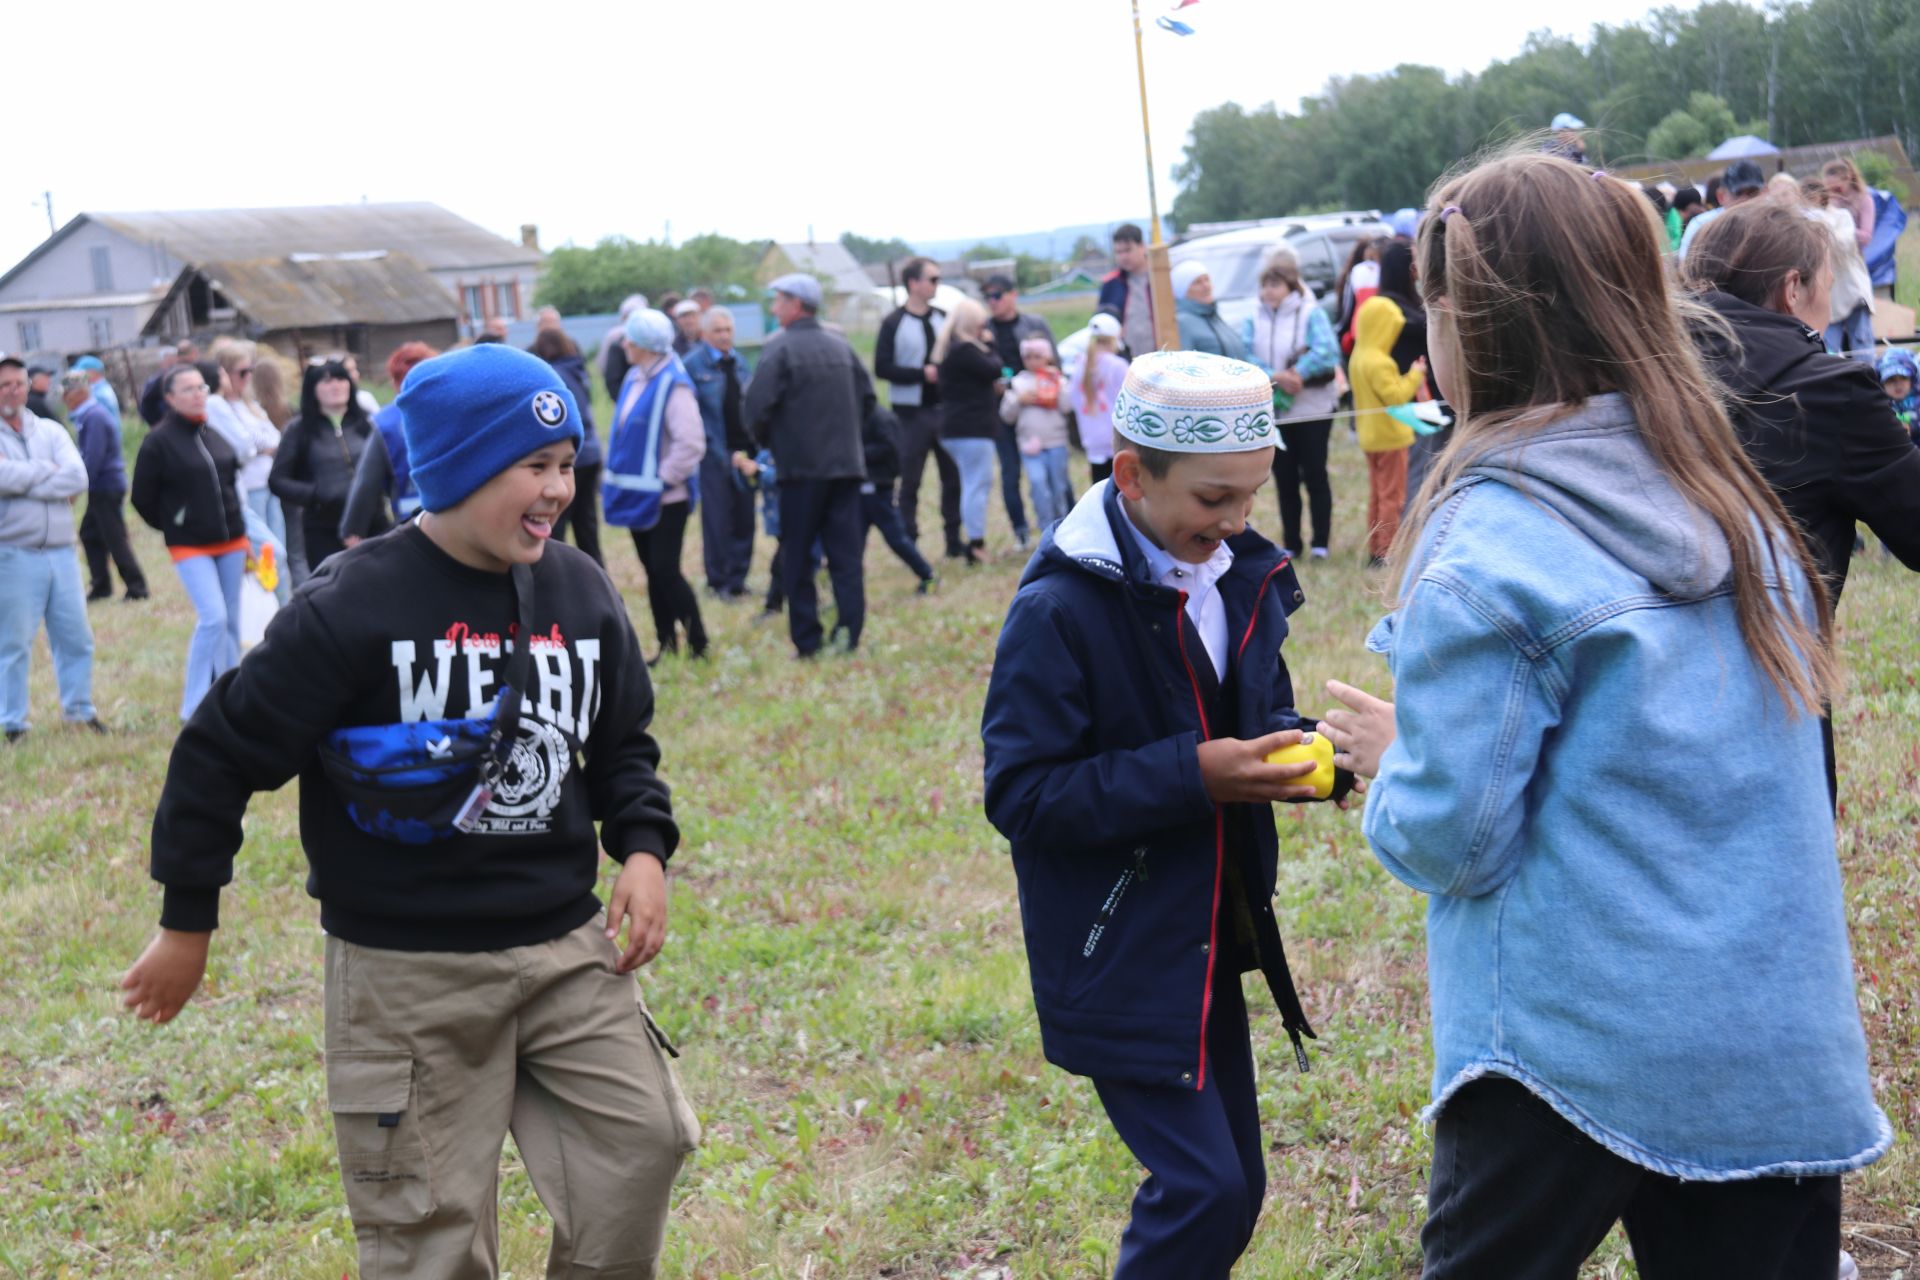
(1636, 907)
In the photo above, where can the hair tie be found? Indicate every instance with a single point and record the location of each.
(1449, 211)
(1598, 173)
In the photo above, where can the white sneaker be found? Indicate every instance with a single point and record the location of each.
(1319, 553)
(1848, 1270)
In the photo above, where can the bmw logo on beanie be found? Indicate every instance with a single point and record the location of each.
(468, 415)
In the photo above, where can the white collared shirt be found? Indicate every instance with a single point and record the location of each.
(1204, 606)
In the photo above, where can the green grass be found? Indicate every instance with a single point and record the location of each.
(844, 973)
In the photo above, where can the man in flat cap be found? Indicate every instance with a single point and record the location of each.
(806, 405)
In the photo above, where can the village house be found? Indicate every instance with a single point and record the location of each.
(360, 278)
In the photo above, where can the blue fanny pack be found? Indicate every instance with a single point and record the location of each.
(430, 780)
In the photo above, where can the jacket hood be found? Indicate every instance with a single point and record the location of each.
(1769, 343)
(1193, 308)
(1086, 541)
(1592, 469)
(1378, 325)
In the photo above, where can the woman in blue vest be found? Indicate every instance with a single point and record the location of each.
(649, 483)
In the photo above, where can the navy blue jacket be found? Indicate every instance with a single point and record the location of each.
(573, 372)
(99, 433)
(1093, 721)
(709, 387)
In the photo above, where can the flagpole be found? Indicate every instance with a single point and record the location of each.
(1146, 129)
(1166, 328)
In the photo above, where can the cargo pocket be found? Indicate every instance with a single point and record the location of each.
(383, 1157)
(686, 1125)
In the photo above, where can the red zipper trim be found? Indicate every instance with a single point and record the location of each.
(1219, 844)
(1258, 596)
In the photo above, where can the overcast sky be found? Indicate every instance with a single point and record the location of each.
(755, 118)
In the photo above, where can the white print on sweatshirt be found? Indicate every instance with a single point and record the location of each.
(552, 723)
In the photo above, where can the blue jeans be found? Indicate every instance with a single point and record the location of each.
(975, 459)
(38, 585)
(213, 586)
(1010, 481)
(1854, 335)
(1052, 491)
(264, 507)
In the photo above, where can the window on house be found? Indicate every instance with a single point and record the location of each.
(102, 269)
(101, 330)
(29, 335)
(503, 295)
(475, 297)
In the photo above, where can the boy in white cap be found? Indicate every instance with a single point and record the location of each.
(1136, 693)
(461, 701)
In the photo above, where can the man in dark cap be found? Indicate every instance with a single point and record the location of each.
(805, 405)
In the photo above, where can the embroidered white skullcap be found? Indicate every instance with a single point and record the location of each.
(1192, 402)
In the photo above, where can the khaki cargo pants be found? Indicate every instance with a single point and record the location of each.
(433, 1056)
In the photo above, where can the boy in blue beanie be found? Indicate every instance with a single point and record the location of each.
(472, 980)
(1138, 689)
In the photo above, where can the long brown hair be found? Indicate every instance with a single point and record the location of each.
(1548, 284)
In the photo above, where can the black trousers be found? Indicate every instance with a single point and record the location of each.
(1011, 469)
(726, 526)
(919, 437)
(669, 594)
(1205, 1158)
(1520, 1194)
(103, 533)
(583, 514)
(827, 511)
(1098, 471)
(1303, 463)
(878, 512)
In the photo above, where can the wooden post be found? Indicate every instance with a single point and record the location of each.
(1166, 323)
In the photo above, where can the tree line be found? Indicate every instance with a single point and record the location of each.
(1797, 73)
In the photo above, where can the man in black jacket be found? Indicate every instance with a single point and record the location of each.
(1009, 328)
(806, 405)
(903, 356)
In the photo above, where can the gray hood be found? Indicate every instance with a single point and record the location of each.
(1592, 469)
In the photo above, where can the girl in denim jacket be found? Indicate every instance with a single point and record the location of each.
(1610, 653)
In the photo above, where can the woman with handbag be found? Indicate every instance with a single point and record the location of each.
(1289, 338)
(651, 477)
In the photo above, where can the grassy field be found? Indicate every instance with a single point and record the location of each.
(843, 972)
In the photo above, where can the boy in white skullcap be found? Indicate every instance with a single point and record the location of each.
(1137, 691)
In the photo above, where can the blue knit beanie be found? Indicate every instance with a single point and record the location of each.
(468, 415)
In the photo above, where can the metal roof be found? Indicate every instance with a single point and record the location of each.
(313, 293)
(433, 237)
(830, 260)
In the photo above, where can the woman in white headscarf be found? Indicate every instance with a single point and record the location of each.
(652, 459)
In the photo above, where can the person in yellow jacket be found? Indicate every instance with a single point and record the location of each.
(1377, 383)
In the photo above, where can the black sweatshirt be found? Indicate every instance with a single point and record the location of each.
(396, 630)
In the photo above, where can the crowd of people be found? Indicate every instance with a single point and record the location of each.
(1639, 488)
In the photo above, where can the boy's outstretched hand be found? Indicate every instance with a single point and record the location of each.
(1362, 733)
(640, 898)
(1236, 771)
(166, 975)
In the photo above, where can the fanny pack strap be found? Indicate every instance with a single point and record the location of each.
(506, 724)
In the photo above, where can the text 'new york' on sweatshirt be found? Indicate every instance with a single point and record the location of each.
(396, 630)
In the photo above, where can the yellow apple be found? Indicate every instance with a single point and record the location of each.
(1320, 752)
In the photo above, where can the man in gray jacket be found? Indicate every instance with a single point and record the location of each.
(806, 405)
(40, 475)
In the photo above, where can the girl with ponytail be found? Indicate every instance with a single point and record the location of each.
(1610, 651)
